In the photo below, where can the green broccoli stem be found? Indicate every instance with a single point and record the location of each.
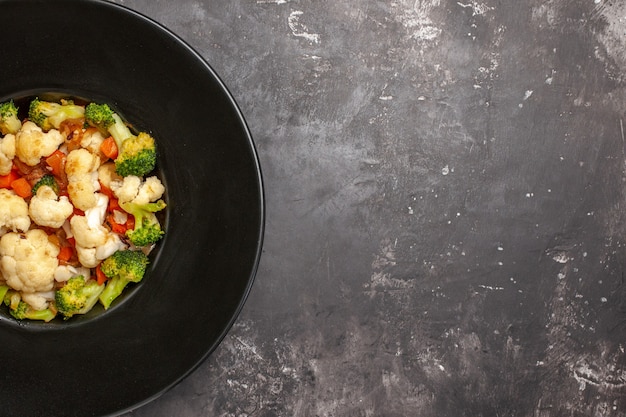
(24, 311)
(3, 292)
(112, 290)
(119, 130)
(48, 114)
(92, 299)
(45, 315)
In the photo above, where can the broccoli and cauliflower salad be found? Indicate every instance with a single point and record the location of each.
(78, 207)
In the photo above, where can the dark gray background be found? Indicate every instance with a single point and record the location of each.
(445, 207)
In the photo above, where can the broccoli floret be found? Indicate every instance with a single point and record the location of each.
(9, 121)
(147, 228)
(137, 156)
(48, 115)
(136, 153)
(99, 116)
(122, 268)
(23, 311)
(77, 296)
(49, 181)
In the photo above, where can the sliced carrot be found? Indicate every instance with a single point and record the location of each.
(65, 254)
(114, 204)
(130, 222)
(56, 162)
(109, 148)
(106, 190)
(115, 226)
(6, 180)
(71, 241)
(22, 187)
(100, 277)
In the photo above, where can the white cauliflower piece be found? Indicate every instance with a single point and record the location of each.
(94, 243)
(81, 161)
(28, 261)
(127, 188)
(133, 189)
(46, 209)
(7, 153)
(112, 244)
(81, 168)
(13, 212)
(96, 215)
(86, 236)
(65, 272)
(107, 174)
(38, 300)
(87, 256)
(31, 143)
(91, 140)
(150, 190)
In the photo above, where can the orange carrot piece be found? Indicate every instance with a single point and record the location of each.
(22, 187)
(130, 222)
(100, 277)
(6, 180)
(65, 253)
(114, 204)
(109, 148)
(56, 161)
(116, 227)
(106, 190)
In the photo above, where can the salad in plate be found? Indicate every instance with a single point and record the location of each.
(79, 207)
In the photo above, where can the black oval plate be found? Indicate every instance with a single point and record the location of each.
(109, 362)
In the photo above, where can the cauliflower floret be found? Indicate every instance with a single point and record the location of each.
(38, 300)
(112, 244)
(96, 215)
(81, 168)
(87, 256)
(91, 140)
(13, 212)
(31, 143)
(132, 188)
(93, 242)
(127, 188)
(80, 162)
(87, 237)
(46, 209)
(107, 174)
(28, 261)
(7, 153)
(151, 190)
(65, 272)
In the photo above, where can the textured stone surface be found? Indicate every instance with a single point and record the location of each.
(445, 207)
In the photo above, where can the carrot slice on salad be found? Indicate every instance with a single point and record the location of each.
(115, 226)
(65, 253)
(100, 277)
(109, 148)
(6, 180)
(22, 187)
(56, 162)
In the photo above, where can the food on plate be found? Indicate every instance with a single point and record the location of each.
(79, 207)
